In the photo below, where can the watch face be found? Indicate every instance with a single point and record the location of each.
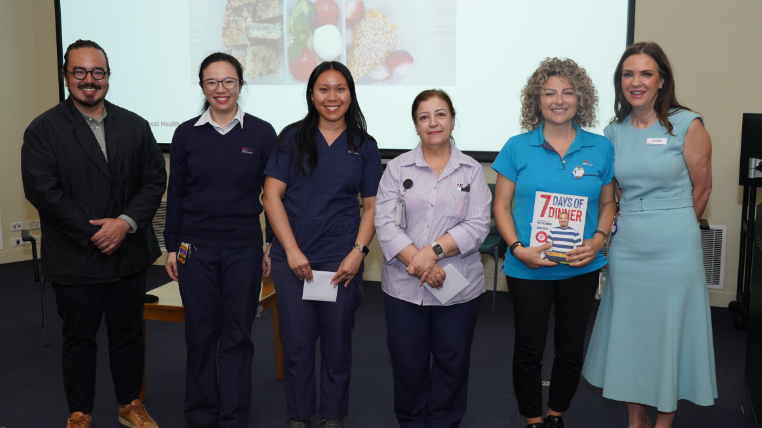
(437, 249)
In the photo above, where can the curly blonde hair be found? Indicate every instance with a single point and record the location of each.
(531, 116)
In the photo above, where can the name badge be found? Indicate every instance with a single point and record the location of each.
(656, 141)
(400, 214)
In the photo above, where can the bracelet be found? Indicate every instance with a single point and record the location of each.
(514, 245)
(605, 235)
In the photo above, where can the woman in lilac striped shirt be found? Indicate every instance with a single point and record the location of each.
(432, 210)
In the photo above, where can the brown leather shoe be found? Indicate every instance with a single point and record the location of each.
(78, 420)
(136, 416)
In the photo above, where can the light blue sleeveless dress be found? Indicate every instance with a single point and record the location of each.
(652, 340)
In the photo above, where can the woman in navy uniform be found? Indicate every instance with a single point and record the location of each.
(215, 243)
(319, 166)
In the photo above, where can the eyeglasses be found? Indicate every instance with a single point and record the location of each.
(80, 73)
(212, 84)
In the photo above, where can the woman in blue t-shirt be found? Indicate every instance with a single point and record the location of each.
(553, 182)
(319, 166)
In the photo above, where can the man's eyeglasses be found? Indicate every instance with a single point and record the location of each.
(80, 73)
(212, 84)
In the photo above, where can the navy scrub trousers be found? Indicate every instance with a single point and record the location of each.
(302, 322)
(220, 291)
(430, 394)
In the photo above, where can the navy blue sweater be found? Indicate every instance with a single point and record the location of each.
(214, 184)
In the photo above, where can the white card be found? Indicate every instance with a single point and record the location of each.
(656, 141)
(454, 283)
(320, 288)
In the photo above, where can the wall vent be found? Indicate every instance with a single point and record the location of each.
(159, 220)
(713, 243)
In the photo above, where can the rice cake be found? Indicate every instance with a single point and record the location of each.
(262, 60)
(374, 40)
(237, 3)
(261, 32)
(239, 52)
(269, 9)
(236, 24)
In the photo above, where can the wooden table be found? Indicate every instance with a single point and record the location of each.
(170, 308)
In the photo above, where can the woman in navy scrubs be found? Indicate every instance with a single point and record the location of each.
(214, 239)
(555, 156)
(319, 166)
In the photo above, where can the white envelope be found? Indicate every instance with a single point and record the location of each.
(454, 283)
(320, 288)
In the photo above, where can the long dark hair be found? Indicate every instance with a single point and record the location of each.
(217, 57)
(666, 101)
(306, 148)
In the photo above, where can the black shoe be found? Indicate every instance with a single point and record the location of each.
(332, 423)
(293, 423)
(536, 425)
(554, 422)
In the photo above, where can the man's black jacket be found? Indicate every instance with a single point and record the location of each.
(67, 178)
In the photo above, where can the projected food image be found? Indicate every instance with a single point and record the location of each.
(282, 41)
(252, 31)
(357, 33)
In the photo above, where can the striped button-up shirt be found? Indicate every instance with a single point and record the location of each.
(435, 206)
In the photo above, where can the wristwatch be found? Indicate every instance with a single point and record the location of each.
(365, 250)
(437, 250)
(604, 234)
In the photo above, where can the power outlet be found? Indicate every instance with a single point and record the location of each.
(17, 226)
(16, 242)
(33, 224)
(37, 238)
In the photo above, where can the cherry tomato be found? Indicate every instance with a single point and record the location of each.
(303, 66)
(326, 12)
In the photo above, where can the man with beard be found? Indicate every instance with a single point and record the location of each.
(96, 175)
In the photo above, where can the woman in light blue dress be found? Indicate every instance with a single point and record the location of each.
(652, 341)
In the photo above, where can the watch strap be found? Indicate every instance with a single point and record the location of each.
(365, 250)
(438, 250)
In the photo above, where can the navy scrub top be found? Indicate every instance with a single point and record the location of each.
(322, 207)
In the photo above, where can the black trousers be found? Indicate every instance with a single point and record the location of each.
(532, 300)
(81, 307)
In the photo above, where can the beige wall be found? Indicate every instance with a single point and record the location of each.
(714, 48)
(28, 73)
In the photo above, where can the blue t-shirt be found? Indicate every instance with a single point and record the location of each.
(525, 161)
(322, 207)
